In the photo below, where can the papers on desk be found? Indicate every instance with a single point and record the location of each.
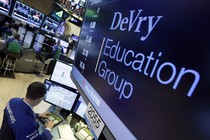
(65, 132)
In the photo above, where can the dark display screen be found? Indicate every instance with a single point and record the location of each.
(27, 14)
(50, 25)
(145, 67)
(5, 6)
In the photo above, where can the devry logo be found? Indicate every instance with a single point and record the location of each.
(134, 22)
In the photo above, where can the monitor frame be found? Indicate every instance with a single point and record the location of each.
(66, 88)
(63, 84)
(26, 20)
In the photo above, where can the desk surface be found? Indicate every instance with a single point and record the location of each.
(54, 131)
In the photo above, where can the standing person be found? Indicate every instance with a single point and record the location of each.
(57, 51)
(19, 121)
(5, 30)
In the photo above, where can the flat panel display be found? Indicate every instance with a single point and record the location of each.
(50, 25)
(146, 66)
(27, 14)
(5, 6)
(40, 38)
(28, 39)
(22, 32)
(60, 96)
(37, 46)
(61, 74)
(65, 45)
(80, 107)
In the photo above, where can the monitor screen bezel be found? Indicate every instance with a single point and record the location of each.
(65, 85)
(67, 88)
(25, 20)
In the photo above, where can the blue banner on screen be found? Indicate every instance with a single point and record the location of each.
(145, 67)
(5, 6)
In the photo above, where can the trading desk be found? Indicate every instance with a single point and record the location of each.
(55, 132)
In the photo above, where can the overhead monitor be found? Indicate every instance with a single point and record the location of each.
(145, 68)
(60, 96)
(61, 74)
(5, 6)
(50, 25)
(27, 14)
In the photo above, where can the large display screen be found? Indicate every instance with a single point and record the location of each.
(5, 6)
(50, 25)
(27, 14)
(144, 66)
(60, 96)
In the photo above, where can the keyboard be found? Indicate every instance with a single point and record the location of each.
(65, 132)
(53, 118)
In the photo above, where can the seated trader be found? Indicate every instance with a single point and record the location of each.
(14, 44)
(19, 121)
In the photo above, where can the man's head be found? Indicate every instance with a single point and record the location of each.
(35, 93)
(17, 36)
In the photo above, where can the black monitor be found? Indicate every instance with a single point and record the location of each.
(5, 6)
(61, 74)
(74, 37)
(60, 96)
(27, 14)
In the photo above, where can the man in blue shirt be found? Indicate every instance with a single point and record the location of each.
(19, 122)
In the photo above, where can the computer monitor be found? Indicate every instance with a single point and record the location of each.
(65, 45)
(5, 6)
(28, 39)
(60, 96)
(37, 46)
(27, 14)
(80, 107)
(74, 37)
(21, 32)
(40, 38)
(61, 74)
(50, 25)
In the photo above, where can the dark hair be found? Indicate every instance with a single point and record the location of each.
(17, 36)
(36, 90)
